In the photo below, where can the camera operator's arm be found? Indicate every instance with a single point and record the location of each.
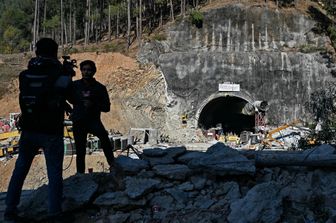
(68, 108)
(69, 98)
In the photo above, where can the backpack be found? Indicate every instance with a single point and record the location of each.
(37, 93)
(43, 90)
(42, 86)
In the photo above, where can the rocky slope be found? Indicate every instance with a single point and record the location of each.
(272, 54)
(219, 185)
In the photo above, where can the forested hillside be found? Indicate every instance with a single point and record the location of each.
(22, 22)
(71, 22)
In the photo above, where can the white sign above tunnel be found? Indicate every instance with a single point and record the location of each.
(228, 87)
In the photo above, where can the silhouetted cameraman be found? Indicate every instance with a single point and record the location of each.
(44, 87)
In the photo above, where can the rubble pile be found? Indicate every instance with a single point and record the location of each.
(178, 185)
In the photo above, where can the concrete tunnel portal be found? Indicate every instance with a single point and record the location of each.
(226, 111)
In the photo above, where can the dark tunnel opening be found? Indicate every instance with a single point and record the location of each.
(227, 112)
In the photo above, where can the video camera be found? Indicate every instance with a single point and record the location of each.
(69, 65)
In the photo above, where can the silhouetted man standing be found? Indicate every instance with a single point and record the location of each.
(89, 99)
(43, 89)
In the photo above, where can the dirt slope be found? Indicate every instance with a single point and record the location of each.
(115, 70)
(123, 78)
(37, 175)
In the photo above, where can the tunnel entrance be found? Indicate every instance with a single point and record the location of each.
(226, 112)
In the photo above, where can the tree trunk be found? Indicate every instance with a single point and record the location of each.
(171, 10)
(117, 32)
(70, 23)
(128, 23)
(87, 14)
(62, 27)
(38, 21)
(44, 16)
(137, 28)
(137, 23)
(183, 7)
(74, 28)
(140, 23)
(65, 34)
(91, 20)
(161, 17)
(109, 22)
(35, 23)
(94, 26)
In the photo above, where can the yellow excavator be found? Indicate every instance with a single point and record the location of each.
(267, 141)
(6, 135)
(9, 141)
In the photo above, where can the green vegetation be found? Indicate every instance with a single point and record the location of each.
(309, 48)
(110, 47)
(329, 6)
(332, 34)
(159, 36)
(329, 26)
(322, 106)
(70, 51)
(197, 18)
(23, 22)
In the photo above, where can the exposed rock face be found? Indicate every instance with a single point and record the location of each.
(180, 193)
(273, 55)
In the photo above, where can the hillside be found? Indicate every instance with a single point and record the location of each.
(138, 91)
(125, 77)
(178, 184)
(121, 74)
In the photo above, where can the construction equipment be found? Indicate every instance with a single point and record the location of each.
(12, 134)
(9, 149)
(68, 129)
(232, 140)
(184, 119)
(9, 143)
(269, 139)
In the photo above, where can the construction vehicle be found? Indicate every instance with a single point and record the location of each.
(9, 140)
(269, 140)
(184, 119)
(6, 135)
(68, 129)
(9, 149)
